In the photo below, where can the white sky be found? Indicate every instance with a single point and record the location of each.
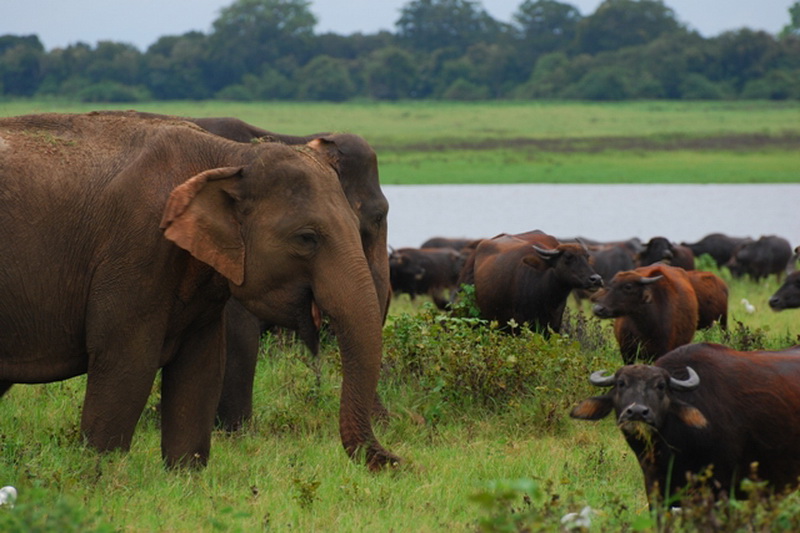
(141, 22)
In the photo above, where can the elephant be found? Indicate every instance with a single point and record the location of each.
(124, 237)
(357, 169)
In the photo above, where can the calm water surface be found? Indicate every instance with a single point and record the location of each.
(601, 212)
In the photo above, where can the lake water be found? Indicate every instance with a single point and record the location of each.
(601, 212)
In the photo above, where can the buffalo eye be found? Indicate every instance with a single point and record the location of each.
(620, 383)
(661, 386)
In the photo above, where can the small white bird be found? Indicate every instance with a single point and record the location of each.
(8, 495)
(578, 521)
(750, 308)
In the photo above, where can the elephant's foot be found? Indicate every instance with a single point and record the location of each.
(379, 459)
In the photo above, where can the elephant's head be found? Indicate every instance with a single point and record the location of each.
(280, 229)
(357, 167)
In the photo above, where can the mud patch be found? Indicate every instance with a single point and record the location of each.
(733, 142)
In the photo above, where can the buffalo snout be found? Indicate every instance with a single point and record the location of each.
(636, 412)
(595, 282)
(601, 311)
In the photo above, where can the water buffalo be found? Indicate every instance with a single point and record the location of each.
(447, 242)
(712, 298)
(431, 271)
(655, 310)
(528, 277)
(660, 249)
(705, 405)
(607, 260)
(788, 295)
(759, 259)
(719, 246)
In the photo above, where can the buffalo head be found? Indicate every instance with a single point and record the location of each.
(627, 293)
(643, 394)
(570, 263)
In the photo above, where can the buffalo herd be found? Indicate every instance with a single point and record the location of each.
(684, 409)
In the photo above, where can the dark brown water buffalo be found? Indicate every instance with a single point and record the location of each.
(712, 298)
(431, 271)
(607, 260)
(447, 242)
(655, 310)
(702, 405)
(719, 246)
(788, 295)
(528, 278)
(759, 259)
(660, 249)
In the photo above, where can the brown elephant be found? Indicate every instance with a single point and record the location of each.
(123, 238)
(357, 169)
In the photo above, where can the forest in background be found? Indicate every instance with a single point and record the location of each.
(441, 49)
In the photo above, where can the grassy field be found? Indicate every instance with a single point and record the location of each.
(480, 419)
(534, 142)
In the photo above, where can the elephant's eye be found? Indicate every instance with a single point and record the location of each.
(308, 239)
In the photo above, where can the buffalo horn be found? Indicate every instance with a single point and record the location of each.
(648, 281)
(690, 383)
(599, 380)
(546, 251)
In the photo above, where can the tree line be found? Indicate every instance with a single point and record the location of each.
(440, 49)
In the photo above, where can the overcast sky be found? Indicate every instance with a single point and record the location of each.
(141, 22)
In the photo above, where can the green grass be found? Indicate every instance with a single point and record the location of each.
(533, 142)
(286, 469)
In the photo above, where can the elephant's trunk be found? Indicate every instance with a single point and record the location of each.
(345, 291)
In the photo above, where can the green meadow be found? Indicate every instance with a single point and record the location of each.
(533, 142)
(480, 418)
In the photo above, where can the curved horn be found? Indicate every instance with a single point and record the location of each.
(599, 380)
(690, 383)
(648, 281)
(547, 252)
(583, 244)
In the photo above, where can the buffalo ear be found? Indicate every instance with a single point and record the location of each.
(593, 408)
(691, 416)
(199, 217)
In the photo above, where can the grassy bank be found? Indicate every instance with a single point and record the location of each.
(534, 142)
(480, 418)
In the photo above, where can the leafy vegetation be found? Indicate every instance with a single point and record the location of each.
(441, 49)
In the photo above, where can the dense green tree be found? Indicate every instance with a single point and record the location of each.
(545, 26)
(793, 28)
(20, 64)
(620, 23)
(740, 56)
(252, 33)
(390, 73)
(176, 66)
(325, 78)
(433, 24)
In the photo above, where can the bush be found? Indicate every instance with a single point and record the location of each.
(111, 91)
(458, 363)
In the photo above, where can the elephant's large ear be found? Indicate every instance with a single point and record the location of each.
(199, 218)
(328, 149)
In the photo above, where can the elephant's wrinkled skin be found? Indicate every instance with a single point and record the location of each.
(122, 240)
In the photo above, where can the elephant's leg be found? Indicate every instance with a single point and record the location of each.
(117, 389)
(190, 390)
(242, 332)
